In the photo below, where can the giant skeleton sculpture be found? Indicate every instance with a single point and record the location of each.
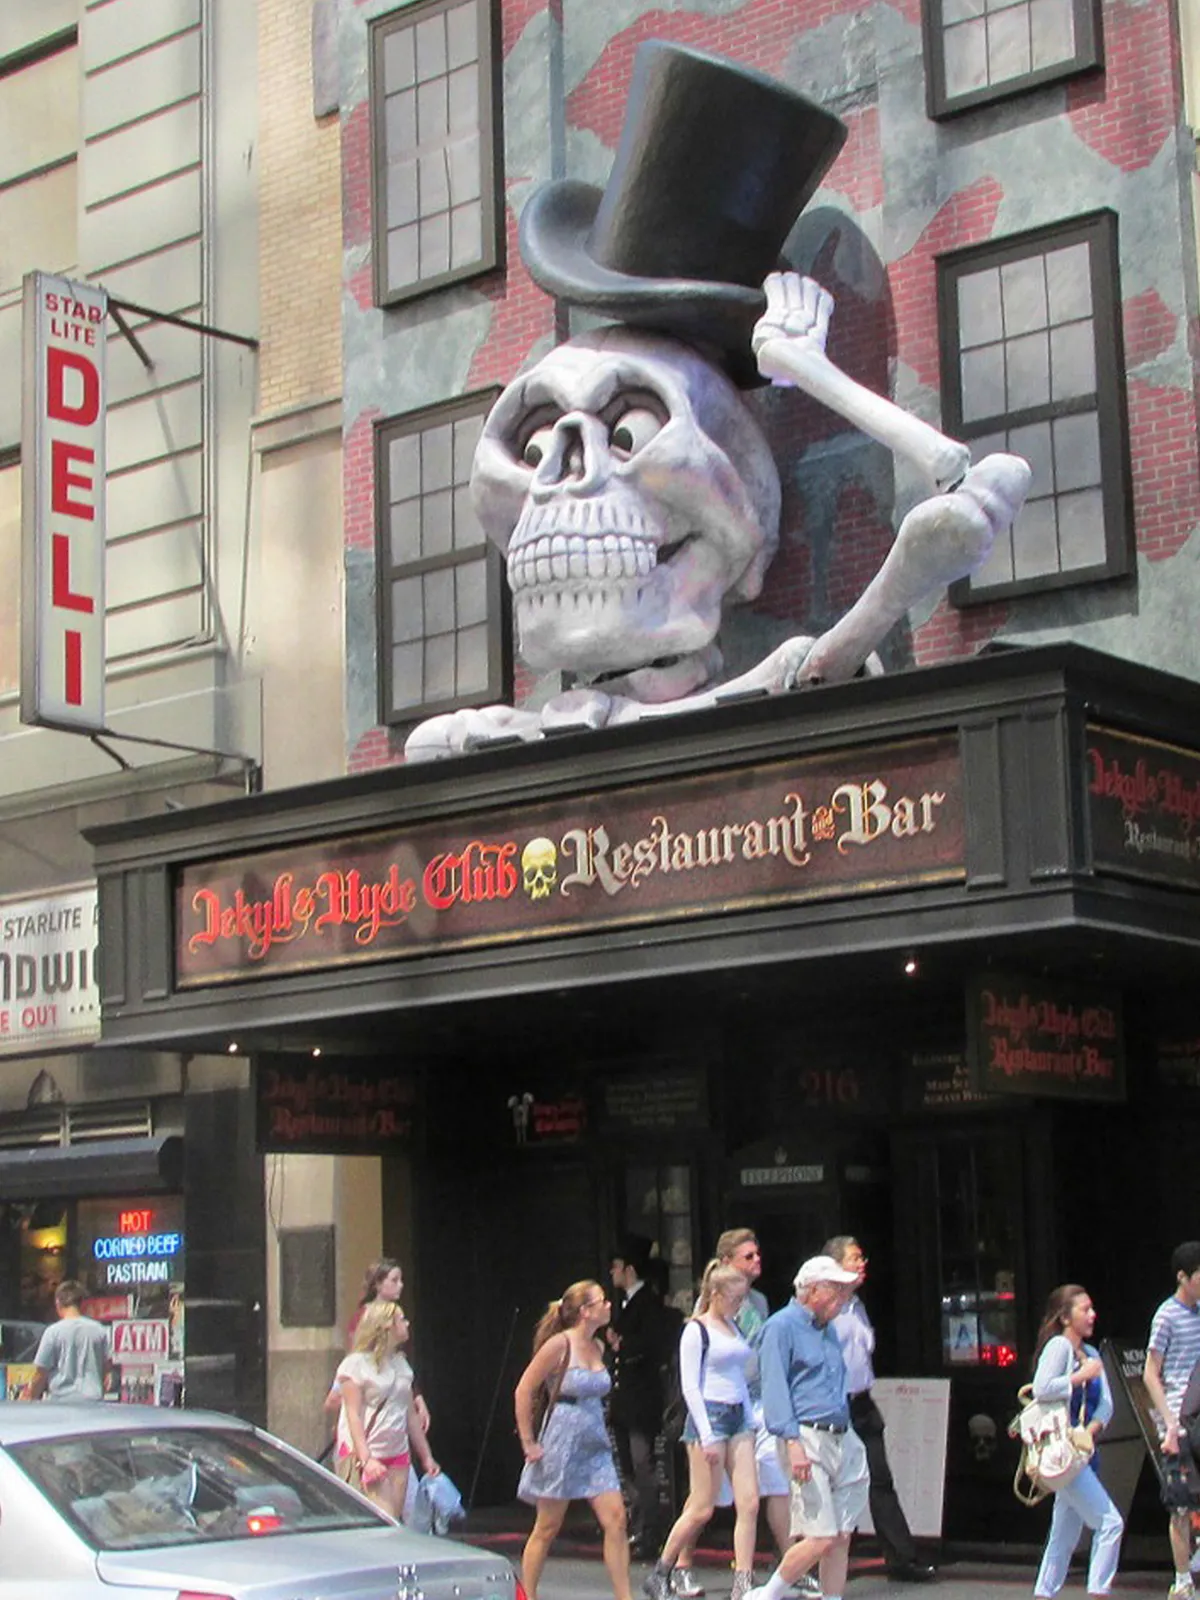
(624, 475)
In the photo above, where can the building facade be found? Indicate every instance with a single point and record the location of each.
(894, 957)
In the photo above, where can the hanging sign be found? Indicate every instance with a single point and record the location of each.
(836, 824)
(326, 1107)
(1144, 807)
(48, 993)
(62, 504)
(1045, 1037)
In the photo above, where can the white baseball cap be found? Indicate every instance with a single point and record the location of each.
(823, 1269)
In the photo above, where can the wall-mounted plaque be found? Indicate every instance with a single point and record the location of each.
(1144, 805)
(1042, 1036)
(942, 1080)
(327, 1107)
(307, 1282)
(667, 1101)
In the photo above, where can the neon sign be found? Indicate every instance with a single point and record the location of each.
(136, 1245)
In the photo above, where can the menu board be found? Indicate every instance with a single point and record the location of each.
(917, 1414)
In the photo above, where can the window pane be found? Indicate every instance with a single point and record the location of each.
(466, 235)
(405, 540)
(439, 668)
(462, 34)
(1024, 288)
(464, 99)
(1077, 452)
(466, 437)
(471, 592)
(402, 192)
(983, 382)
(431, 111)
(404, 465)
(1028, 372)
(472, 661)
(407, 612)
(1069, 283)
(431, 47)
(1052, 26)
(998, 566)
(979, 308)
(435, 521)
(402, 257)
(466, 524)
(439, 601)
(965, 49)
(435, 246)
(1073, 360)
(1034, 444)
(408, 683)
(399, 60)
(463, 157)
(1008, 44)
(37, 226)
(401, 117)
(1035, 541)
(437, 469)
(435, 183)
(1081, 529)
(961, 10)
(39, 115)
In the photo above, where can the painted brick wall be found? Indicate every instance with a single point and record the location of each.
(903, 191)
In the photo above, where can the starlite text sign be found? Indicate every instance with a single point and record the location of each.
(62, 504)
(48, 992)
(827, 826)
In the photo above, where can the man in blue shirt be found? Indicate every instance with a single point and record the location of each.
(805, 1406)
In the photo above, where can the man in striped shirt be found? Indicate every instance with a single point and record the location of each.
(1172, 1352)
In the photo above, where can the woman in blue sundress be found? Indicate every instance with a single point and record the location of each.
(570, 1457)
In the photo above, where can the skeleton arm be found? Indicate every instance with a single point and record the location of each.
(789, 343)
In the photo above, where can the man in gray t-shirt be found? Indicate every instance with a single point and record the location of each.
(72, 1357)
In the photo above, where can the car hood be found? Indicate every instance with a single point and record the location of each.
(352, 1564)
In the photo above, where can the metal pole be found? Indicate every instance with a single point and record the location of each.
(491, 1416)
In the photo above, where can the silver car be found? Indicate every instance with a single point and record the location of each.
(119, 1502)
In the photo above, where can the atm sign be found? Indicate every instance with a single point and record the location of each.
(140, 1341)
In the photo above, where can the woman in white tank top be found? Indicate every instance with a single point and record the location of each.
(714, 1367)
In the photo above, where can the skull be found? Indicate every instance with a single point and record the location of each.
(539, 868)
(634, 493)
(983, 1435)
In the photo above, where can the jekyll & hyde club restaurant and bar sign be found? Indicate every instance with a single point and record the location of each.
(831, 825)
(1025, 810)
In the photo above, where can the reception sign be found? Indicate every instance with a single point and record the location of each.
(830, 825)
(1043, 1037)
(1144, 806)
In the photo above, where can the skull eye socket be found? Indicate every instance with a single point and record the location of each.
(537, 445)
(633, 430)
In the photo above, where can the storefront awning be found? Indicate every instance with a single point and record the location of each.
(102, 1166)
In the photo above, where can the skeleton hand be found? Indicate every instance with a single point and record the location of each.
(789, 343)
(798, 310)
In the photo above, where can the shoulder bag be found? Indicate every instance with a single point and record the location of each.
(547, 1396)
(1053, 1450)
(349, 1467)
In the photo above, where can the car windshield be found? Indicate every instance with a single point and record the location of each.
(140, 1489)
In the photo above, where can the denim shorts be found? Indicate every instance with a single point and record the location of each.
(725, 1419)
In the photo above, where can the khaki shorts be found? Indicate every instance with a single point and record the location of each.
(835, 1495)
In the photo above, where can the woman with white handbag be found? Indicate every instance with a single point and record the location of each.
(1069, 1371)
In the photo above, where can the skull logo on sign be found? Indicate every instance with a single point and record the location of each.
(983, 1434)
(539, 868)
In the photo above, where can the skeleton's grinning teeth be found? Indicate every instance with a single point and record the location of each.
(559, 558)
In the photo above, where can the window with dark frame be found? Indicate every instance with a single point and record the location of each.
(435, 147)
(1033, 363)
(978, 51)
(444, 622)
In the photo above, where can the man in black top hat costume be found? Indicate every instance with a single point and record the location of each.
(629, 484)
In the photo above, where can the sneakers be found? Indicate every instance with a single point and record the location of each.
(741, 1585)
(656, 1585)
(1181, 1589)
(806, 1587)
(684, 1585)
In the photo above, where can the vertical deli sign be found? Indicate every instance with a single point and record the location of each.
(62, 504)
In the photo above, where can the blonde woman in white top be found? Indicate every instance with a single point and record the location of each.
(715, 1362)
(379, 1425)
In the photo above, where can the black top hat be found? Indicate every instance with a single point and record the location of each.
(716, 162)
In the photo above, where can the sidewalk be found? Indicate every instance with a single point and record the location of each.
(573, 1577)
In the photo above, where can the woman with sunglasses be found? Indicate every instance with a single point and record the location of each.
(569, 1457)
